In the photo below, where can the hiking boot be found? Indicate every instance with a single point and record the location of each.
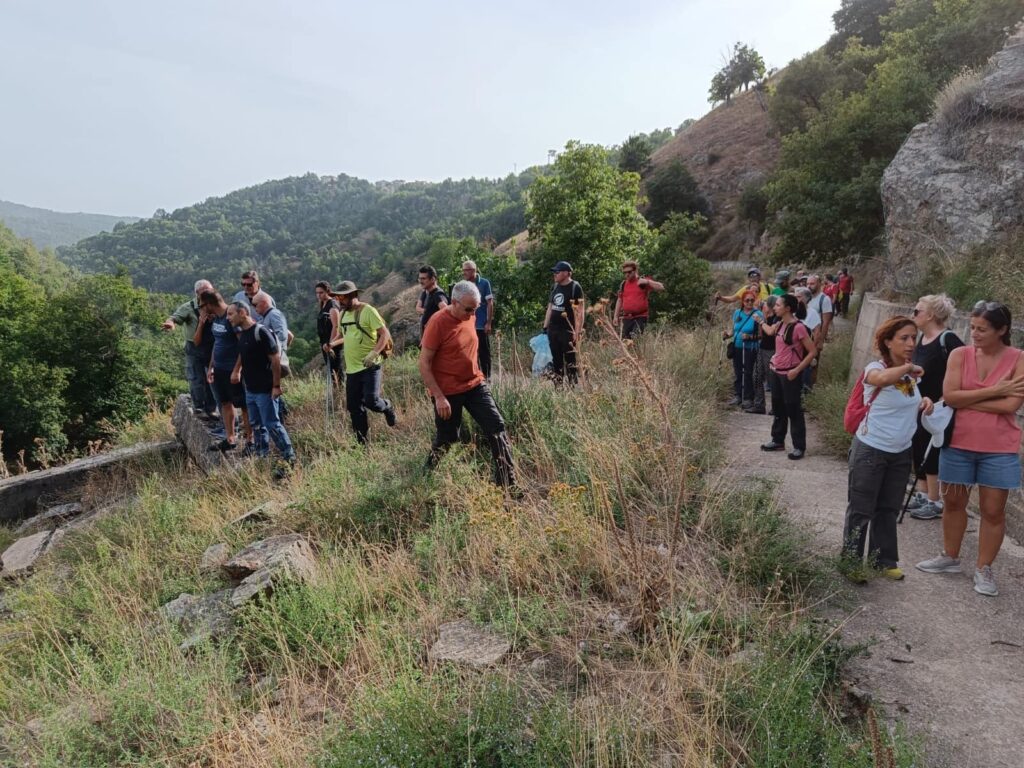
(895, 573)
(771, 445)
(390, 417)
(753, 409)
(734, 401)
(985, 582)
(941, 564)
(917, 499)
(927, 511)
(795, 455)
(249, 451)
(224, 446)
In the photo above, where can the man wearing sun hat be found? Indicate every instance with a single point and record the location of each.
(365, 338)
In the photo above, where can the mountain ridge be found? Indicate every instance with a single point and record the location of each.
(48, 228)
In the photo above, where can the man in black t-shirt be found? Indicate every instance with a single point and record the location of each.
(563, 322)
(260, 356)
(432, 298)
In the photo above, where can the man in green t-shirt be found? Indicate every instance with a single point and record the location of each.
(364, 338)
(781, 283)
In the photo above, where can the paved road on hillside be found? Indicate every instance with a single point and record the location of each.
(959, 681)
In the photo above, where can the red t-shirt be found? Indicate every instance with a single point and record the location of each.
(845, 284)
(633, 298)
(455, 348)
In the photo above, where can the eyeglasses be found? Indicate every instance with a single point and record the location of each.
(748, 301)
(989, 306)
(916, 312)
(248, 284)
(471, 309)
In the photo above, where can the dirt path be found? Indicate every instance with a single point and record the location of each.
(945, 661)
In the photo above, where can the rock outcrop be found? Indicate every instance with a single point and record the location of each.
(958, 181)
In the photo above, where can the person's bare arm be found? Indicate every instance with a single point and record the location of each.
(547, 317)
(420, 309)
(335, 318)
(275, 369)
(654, 285)
(826, 323)
(444, 408)
(888, 376)
(197, 336)
(811, 351)
(490, 315)
(236, 373)
(956, 397)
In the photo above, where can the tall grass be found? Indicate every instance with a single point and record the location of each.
(827, 402)
(657, 615)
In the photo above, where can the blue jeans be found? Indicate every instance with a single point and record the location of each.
(265, 419)
(195, 373)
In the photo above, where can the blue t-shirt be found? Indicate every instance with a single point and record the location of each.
(744, 323)
(484, 286)
(225, 343)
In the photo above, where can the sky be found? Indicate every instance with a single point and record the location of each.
(126, 106)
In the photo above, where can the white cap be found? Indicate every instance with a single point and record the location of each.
(936, 422)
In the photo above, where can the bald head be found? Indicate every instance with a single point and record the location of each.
(262, 302)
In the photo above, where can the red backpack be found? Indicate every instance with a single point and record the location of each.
(856, 409)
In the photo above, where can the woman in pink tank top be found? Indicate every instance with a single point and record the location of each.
(985, 383)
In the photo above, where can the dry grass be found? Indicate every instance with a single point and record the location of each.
(656, 614)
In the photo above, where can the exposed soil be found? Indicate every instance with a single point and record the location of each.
(944, 661)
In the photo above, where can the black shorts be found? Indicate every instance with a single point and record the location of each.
(226, 392)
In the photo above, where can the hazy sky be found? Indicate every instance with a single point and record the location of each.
(111, 106)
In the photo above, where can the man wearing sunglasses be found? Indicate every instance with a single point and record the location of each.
(451, 371)
(632, 307)
(250, 287)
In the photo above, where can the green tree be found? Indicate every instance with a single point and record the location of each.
(858, 18)
(585, 212)
(635, 154)
(687, 278)
(672, 189)
(743, 67)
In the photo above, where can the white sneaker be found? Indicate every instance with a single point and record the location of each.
(941, 564)
(985, 582)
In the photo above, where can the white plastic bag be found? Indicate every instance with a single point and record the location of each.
(541, 353)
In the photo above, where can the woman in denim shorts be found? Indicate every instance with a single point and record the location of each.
(985, 383)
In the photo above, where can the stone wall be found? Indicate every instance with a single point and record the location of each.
(873, 312)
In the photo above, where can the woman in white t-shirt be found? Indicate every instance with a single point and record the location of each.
(881, 453)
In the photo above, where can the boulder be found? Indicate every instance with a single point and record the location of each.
(200, 617)
(957, 181)
(463, 642)
(194, 433)
(264, 563)
(21, 556)
(214, 557)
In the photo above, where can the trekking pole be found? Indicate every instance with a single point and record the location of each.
(913, 485)
(329, 397)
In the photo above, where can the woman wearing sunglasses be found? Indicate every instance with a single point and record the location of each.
(934, 344)
(985, 383)
(744, 332)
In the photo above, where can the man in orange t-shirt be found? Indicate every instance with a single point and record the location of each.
(451, 370)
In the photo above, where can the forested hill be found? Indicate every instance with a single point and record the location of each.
(298, 230)
(49, 229)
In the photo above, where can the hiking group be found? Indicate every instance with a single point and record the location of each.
(930, 413)
(236, 356)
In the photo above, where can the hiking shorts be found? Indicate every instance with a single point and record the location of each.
(225, 391)
(992, 470)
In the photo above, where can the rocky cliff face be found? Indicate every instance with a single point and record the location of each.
(958, 181)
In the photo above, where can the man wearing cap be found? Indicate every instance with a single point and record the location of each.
(563, 322)
(632, 306)
(782, 283)
(365, 336)
(451, 371)
(761, 290)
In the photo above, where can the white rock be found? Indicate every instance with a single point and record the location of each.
(22, 555)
